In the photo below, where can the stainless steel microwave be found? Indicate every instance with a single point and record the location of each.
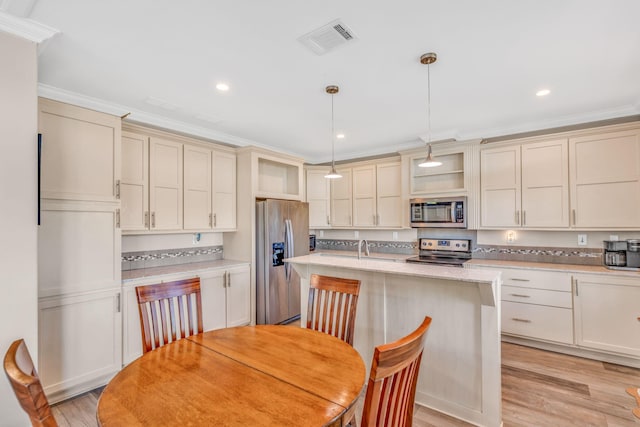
(446, 212)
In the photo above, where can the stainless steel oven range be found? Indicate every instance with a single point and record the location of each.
(443, 252)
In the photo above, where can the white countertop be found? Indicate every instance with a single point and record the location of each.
(131, 275)
(394, 264)
(570, 268)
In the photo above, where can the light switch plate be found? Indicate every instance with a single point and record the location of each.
(394, 235)
(613, 237)
(582, 240)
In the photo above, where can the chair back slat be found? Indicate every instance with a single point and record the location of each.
(392, 384)
(332, 306)
(24, 379)
(159, 327)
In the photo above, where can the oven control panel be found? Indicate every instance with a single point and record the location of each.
(445, 245)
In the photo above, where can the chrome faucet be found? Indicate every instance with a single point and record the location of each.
(366, 248)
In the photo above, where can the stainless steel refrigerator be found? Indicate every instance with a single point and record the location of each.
(282, 232)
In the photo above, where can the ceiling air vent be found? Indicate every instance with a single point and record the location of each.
(328, 37)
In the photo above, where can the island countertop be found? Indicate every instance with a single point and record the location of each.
(394, 264)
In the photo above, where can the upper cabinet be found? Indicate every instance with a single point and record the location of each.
(318, 196)
(525, 185)
(588, 179)
(605, 180)
(173, 183)
(80, 153)
(367, 195)
(278, 177)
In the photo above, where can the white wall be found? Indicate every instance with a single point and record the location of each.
(154, 242)
(18, 212)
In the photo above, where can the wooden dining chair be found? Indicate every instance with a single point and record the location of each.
(176, 298)
(26, 385)
(391, 391)
(332, 306)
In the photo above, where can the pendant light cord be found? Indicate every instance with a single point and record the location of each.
(333, 157)
(429, 102)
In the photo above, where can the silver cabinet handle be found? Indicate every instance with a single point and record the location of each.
(573, 214)
(515, 279)
(520, 295)
(378, 219)
(374, 219)
(228, 279)
(516, 319)
(524, 217)
(517, 217)
(328, 222)
(210, 220)
(117, 218)
(153, 220)
(118, 307)
(215, 220)
(224, 280)
(117, 189)
(146, 219)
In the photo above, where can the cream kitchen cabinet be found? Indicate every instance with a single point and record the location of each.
(226, 302)
(364, 196)
(165, 184)
(341, 199)
(224, 191)
(605, 179)
(318, 195)
(607, 313)
(80, 342)
(525, 185)
(80, 153)
(134, 187)
(536, 304)
(197, 188)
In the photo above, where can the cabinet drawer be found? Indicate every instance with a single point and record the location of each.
(536, 321)
(551, 280)
(536, 296)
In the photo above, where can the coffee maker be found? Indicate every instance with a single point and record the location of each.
(622, 254)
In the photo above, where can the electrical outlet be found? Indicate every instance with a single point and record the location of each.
(511, 236)
(582, 240)
(613, 237)
(394, 235)
(196, 238)
(356, 234)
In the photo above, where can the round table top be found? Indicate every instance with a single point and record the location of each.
(249, 376)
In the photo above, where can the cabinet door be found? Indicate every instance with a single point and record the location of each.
(134, 186)
(545, 184)
(341, 199)
(197, 188)
(165, 184)
(214, 307)
(80, 152)
(500, 187)
(238, 297)
(364, 196)
(224, 191)
(389, 195)
(131, 328)
(605, 180)
(78, 248)
(607, 315)
(318, 198)
(80, 342)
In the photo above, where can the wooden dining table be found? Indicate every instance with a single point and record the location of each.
(265, 375)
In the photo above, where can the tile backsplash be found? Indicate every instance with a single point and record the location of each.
(582, 256)
(160, 258)
(408, 248)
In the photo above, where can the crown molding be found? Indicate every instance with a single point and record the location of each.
(26, 28)
(142, 117)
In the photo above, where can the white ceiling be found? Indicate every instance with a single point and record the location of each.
(492, 58)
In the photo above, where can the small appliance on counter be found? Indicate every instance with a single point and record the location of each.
(312, 242)
(622, 254)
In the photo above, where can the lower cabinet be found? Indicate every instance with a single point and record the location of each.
(607, 313)
(80, 342)
(226, 302)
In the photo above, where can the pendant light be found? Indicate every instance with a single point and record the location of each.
(332, 90)
(428, 59)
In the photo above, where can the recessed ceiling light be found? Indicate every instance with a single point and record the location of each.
(543, 92)
(340, 136)
(222, 87)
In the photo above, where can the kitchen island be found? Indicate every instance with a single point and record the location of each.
(460, 369)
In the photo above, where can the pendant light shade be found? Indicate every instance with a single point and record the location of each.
(332, 90)
(428, 59)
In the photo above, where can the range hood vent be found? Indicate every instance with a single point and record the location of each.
(328, 37)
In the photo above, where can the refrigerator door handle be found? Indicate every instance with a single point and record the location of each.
(286, 249)
(290, 249)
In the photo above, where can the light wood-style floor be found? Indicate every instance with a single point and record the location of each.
(539, 388)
